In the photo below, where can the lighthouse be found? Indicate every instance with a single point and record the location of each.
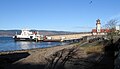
(99, 30)
(98, 26)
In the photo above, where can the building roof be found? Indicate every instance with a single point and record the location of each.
(101, 30)
(94, 30)
(98, 21)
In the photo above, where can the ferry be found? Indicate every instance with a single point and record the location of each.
(26, 35)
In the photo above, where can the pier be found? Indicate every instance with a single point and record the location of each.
(75, 37)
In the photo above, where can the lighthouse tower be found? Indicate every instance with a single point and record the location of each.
(98, 26)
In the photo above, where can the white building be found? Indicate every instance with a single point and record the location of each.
(99, 30)
(118, 27)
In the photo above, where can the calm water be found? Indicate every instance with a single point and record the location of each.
(8, 44)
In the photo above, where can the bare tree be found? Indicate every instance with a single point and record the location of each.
(111, 24)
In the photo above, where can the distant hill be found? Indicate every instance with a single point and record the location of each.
(10, 33)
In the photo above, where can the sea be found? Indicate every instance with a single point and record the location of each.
(8, 44)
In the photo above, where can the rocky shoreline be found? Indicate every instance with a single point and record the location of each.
(59, 57)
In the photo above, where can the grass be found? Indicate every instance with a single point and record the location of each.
(93, 49)
(89, 48)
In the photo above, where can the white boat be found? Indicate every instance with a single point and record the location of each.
(26, 35)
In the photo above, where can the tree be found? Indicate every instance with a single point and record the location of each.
(111, 25)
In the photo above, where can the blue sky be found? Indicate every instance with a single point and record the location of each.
(60, 15)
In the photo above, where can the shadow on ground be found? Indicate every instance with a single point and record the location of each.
(111, 52)
(8, 59)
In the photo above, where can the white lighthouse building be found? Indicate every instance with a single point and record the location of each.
(98, 26)
(99, 30)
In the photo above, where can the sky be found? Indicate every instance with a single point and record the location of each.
(59, 15)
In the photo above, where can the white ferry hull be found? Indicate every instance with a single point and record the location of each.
(23, 39)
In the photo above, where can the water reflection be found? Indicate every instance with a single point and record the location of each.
(8, 44)
(26, 45)
(30, 45)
